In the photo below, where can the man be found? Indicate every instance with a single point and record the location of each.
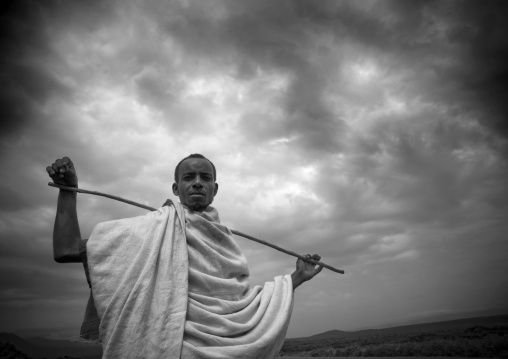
(174, 283)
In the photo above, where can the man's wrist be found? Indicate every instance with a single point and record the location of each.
(67, 193)
(297, 279)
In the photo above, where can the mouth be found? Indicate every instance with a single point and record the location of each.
(197, 194)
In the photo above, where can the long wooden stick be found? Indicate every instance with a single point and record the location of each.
(286, 251)
(116, 198)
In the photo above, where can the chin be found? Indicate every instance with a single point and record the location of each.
(197, 207)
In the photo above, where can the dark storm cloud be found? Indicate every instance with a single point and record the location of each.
(34, 76)
(261, 36)
(479, 30)
(458, 46)
(25, 84)
(11, 200)
(29, 63)
(461, 44)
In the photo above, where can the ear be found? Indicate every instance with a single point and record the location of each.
(216, 189)
(175, 189)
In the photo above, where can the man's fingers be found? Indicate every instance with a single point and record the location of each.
(68, 161)
(59, 166)
(69, 166)
(62, 172)
(55, 172)
(55, 167)
(63, 165)
(315, 257)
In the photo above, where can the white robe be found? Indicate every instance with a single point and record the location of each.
(162, 291)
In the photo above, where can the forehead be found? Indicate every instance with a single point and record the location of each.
(196, 165)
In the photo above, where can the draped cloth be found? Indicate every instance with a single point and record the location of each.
(174, 284)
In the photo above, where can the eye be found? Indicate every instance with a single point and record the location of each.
(186, 177)
(207, 177)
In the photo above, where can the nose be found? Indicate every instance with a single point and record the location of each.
(197, 182)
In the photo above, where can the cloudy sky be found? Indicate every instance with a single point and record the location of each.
(374, 133)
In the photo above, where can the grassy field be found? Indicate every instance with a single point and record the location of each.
(480, 337)
(477, 341)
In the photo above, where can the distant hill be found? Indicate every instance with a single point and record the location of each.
(8, 350)
(415, 328)
(40, 347)
(20, 344)
(330, 334)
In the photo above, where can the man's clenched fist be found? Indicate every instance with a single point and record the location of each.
(62, 172)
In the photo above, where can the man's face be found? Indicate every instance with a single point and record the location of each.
(196, 186)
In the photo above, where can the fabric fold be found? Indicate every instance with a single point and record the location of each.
(226, 317)
(139, 274)
(174, 284)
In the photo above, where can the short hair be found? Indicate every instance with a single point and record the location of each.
(195, 155)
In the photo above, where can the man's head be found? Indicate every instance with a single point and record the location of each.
(195, 185)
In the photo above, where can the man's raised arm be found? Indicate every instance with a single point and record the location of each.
(66, 233)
